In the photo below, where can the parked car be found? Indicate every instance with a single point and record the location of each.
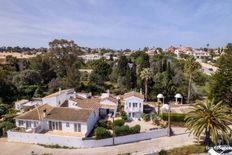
(220, 150)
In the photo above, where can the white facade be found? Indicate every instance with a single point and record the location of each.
(58, 98)
(133, 106)
(19, 104)
(36, 126)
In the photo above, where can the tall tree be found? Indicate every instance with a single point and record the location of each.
(221, 84)
(64, 54)
(145, 75)
(210, 119)
(191, 66)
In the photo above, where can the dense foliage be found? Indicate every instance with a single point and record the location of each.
(221, 84)
(101, 133)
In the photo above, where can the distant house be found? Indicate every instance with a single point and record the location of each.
(25, 105)
(19, 104)
(200, 54)
(58, 98)
(51, 119)
(106, 103)
(133, 104)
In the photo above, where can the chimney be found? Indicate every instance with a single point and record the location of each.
(59, 90)
(141, 92)
(108, 92)
(44, 113)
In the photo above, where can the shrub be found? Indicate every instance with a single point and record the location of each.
(163, 152)
(175, 117)
(135, 129)
(109, 125)
(146, 117)
(102, 123)
(124, 115)
(105, 124)
(101, 133)
(156, 119)
(119, 122)
(123, 130)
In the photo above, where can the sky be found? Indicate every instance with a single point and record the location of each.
(116, 24)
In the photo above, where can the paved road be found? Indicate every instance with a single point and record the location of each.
(181, 138)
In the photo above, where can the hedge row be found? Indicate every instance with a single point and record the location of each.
(175, 117)
(126, 130)
(101, 133)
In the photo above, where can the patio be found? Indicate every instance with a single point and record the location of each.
(62, 133)
(145, 126)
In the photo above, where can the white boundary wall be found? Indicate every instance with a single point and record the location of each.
(77, 142)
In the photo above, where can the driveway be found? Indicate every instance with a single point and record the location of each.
(179, 139)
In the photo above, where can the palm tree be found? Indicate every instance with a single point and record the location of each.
(191, 66)
(145, 75)
(211, 119)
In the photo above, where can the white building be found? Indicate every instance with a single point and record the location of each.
(19, 104)
(58, 98)
(200, 54)
(55, 120)
(133, 104)
(25, 105)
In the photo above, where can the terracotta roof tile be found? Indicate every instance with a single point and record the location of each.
(36, 113)
(92, 103)
(69, 114)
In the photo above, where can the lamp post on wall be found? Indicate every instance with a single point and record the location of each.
(169, 121)
(112, 116)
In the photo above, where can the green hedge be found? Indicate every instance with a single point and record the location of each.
(105, 124)
(126, 130)
(119, 122)
(101, 133)
(175, 117)
(124, 115)
(123, 130)
(135, 129)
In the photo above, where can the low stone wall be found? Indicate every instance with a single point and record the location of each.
(78, 142)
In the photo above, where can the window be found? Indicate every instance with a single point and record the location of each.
(60, 126)
(135, 105)
(129, 114)
(35, 124)
(75, 127)
(79, 127)
(50, 125)
(57, 124)
(53, 125)
(67, 124)
(133, 114)
(21, 123)
(28, 124)
(129, 104)
(140, 105)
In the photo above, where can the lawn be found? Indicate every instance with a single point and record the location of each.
(185, 150)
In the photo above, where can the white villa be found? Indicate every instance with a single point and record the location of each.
(46, 118)
(133, 104)
(58, 98)
(77, 117)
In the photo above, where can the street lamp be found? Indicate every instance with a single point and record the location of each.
(169, 120)
(112, 116)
